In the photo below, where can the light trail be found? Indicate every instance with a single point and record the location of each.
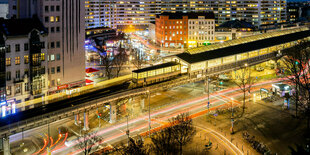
(175, 107)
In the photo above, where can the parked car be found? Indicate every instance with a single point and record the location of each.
(259, 68)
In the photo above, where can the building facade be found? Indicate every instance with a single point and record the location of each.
(298, 11)
(184, 29)
(25, 61)
(134, 14)
(4, 8)
(66, 54)
(124, 15)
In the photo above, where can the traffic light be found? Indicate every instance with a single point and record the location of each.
(296, 62)
(221, 82)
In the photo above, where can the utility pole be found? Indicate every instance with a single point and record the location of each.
(127, 132)
(232, 117)
(149, 95)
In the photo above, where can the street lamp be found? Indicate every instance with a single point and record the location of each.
(149, 96)
(232, 117)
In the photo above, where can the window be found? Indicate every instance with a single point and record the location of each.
(52, 45)
(8, 76)
(17, 47)
(17, 88)
(53, 70)
(26, 47)
(42, 44)
(26, 59)
(57, 29)
(17, 75)
(58, 69)
(52, 57)
(26, 72)
(53, 82)
(8, 61)
(42, 56)
(52, 8)
(58, 44)
(52, 29)
(17, 60)
(57, 56)
(46, 8)
(26, 86)
(57, 19)
(57, 8)
(8, 90)
(52, 19)
(46, 19)
(43, 70)
(8, 49)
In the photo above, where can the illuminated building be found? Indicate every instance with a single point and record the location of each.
(298, 11)
(137, 14)
(256, 12)
(184, 29)
(64, 20)
(127, 16)
(25, 61)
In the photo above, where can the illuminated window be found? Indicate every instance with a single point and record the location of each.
(17, 60)
(57, 19)
(52, 19)
(8, 61)
(42, 56)
(26, 59)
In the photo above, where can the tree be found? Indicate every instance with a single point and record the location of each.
(297, 65)
(182, 129)
(119, 59)
(89, 142)
(163, 142)
(135, 147)
(107, 61)
(138, 58)
(244, 81)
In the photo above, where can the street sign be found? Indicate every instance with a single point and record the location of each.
(208, 104)
(215, 114)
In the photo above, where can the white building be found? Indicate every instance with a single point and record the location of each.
(25, 60)
(200, 31)
(128, 14)
(65, 23)
(4, 9)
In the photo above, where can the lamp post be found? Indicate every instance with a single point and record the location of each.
(232, 117)
(149, 98)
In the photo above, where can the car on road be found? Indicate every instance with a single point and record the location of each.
(259, 68)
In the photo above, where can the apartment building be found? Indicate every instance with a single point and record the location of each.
(25, 54)
(127, 15)
(181, 30)
(65, 42)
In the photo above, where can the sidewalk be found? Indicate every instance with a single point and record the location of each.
(272, 126)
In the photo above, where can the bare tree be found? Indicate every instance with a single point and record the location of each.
(89, 142)
(297, 65)
(135, 147)
(119, 60)
(138, 58)
(107, 61)
(244, 81)
(164, 143)
(182, 129)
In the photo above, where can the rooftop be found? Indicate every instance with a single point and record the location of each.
(242, 47)
(164, 65)
(18, 27)
(243, 40)
(237, 24)
(191, 15)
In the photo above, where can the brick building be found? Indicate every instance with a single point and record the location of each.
(172, 29)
